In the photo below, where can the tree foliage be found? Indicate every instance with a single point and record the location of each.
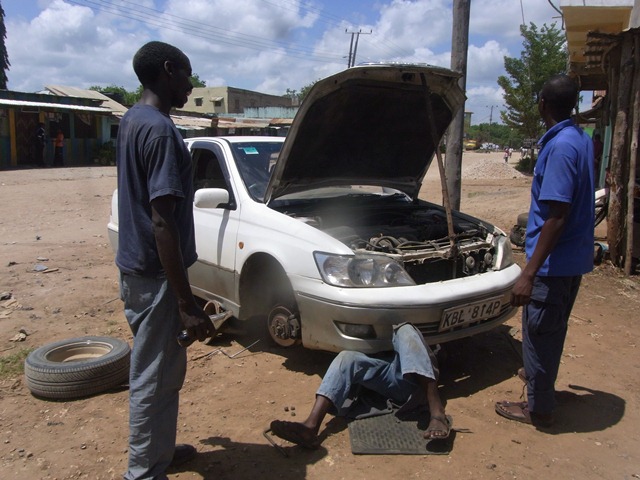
(124, 96)
(4, 57)
(196, 82)
(119, 94)
(544, 54)
(501, 135)
(304, 91)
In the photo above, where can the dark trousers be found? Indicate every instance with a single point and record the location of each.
(58, 158)
(544, 328)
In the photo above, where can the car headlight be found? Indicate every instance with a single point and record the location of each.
(504, 255)
(361, 270)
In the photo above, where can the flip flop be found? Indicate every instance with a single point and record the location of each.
(522, 375)
(447, 421)
(519, 412)
(289, 431)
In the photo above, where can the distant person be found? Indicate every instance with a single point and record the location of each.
(156, 247)
(58, 155)
(408, 372)
(40, 142)
(506, 155)
(559, 249)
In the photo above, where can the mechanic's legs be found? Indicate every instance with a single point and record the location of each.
(544, 327)
(158, 366)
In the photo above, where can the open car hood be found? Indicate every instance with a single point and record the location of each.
(368, 125)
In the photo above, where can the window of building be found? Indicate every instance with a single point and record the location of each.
(198, 101)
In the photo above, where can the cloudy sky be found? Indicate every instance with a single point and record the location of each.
(264, 45)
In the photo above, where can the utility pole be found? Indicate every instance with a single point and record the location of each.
(491, 120)
(459, 47)
(354, 49)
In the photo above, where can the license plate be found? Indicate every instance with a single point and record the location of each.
(473, 312)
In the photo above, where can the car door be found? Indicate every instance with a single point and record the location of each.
(216, 229)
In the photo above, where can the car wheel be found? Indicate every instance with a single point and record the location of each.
(77, 367)
(518, 236)
(283, 326)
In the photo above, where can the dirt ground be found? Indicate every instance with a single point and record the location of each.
(57, 217)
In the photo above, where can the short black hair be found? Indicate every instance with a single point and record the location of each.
(560, 93)
(148, 62)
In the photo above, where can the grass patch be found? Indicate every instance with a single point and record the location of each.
(13, 365)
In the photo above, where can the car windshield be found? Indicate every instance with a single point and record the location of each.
(255, 161)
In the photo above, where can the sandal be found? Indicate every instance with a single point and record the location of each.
(292, 432)
(447, 421)
(519, 412)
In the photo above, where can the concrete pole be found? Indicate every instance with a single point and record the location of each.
(459, 47)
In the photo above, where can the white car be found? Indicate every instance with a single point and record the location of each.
(322, 236)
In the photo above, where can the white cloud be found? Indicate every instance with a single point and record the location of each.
(256, 44)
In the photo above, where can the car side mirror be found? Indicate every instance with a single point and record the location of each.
(211, 198)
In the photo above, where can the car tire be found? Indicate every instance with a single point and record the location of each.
(77, 367)
(518, 236)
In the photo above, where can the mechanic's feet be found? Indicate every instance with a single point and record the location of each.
(183, 454)
(439, 427)
(295, 432)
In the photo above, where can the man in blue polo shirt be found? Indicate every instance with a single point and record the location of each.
(559, 249)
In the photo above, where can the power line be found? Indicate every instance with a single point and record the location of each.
(159, 19)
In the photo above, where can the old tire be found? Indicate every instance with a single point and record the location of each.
(77, 367)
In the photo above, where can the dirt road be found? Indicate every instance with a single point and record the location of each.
(57, 217)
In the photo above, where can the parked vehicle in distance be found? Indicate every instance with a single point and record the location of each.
(322, 235)
(471, 144)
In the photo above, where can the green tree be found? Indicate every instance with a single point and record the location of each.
(4, 58)
(196, 82)
(501, 135)
(304, 91)
(121, 94)
(544, 54)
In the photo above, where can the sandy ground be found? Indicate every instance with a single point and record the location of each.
(61, 214)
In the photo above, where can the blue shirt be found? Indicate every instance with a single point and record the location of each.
(152, 161)
(564, 173)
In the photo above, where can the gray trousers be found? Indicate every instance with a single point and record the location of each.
(158, 367)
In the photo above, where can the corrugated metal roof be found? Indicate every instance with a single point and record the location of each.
(191, 123)
(281, 121)
(111, 104)
(241, 123)
(60, 106)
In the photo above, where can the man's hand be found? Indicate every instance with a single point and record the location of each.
(521, 292)
(549, 235)
(197, 323)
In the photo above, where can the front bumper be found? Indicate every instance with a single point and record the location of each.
(322, 306)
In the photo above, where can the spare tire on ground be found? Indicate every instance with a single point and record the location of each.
(77, 367)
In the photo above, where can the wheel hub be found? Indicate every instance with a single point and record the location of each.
(284, 327)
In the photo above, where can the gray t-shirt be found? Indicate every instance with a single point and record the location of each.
(152, 161)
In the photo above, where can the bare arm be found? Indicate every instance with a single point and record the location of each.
(195, 321)
(551, 231)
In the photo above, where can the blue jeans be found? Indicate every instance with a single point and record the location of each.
(384, 375)
(158, 367)
(544, 328)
